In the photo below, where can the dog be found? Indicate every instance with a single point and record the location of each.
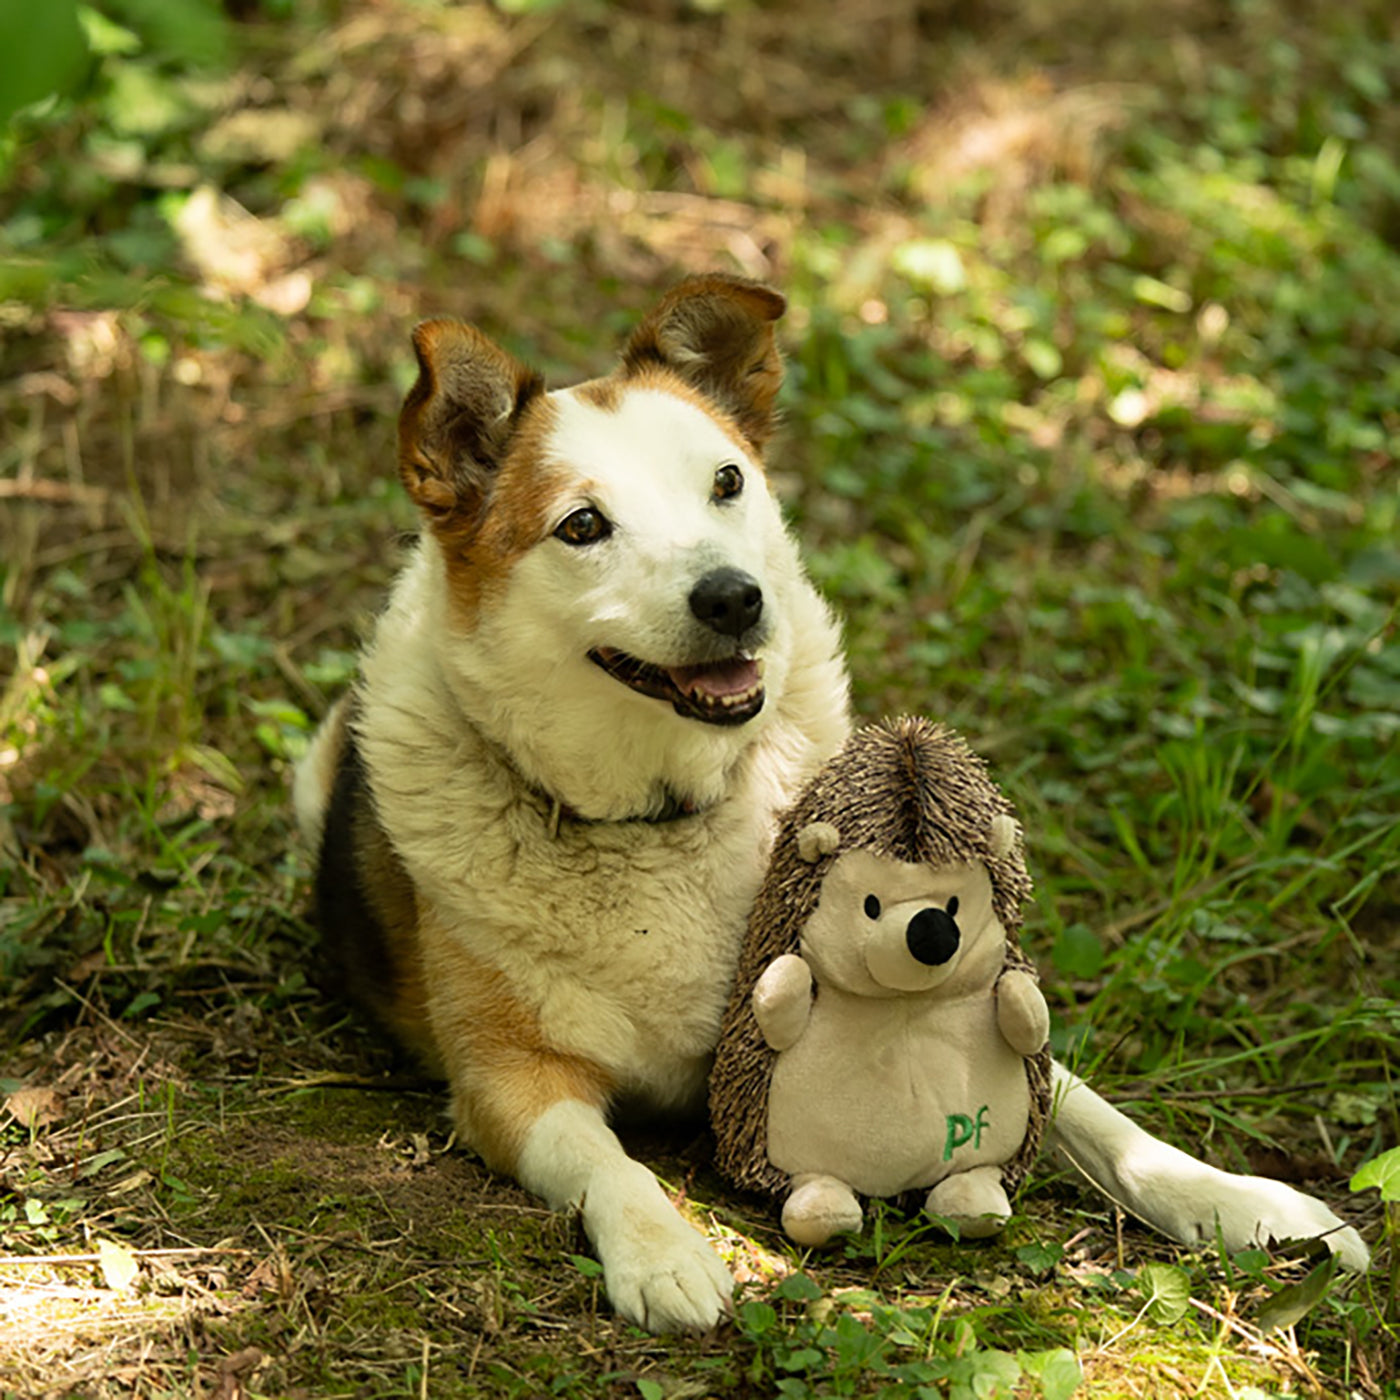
(542, 811)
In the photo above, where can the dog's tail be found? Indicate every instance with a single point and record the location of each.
(315, 772)
(1186, 1199)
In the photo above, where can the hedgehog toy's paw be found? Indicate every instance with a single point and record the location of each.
(820, 1207)
(975, 1201)
(1022, 1014)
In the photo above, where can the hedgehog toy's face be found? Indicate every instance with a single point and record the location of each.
(884, 928)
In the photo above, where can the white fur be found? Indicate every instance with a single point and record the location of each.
(1186, 1200)
(524, 678)
(314, 777)
(657, 1269)
(621, 936)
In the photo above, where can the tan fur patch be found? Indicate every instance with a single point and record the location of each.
(716, 332)
(517, 516)
(503, 1073)
(604, 394)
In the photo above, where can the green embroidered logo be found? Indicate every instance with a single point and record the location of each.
(963, 1130)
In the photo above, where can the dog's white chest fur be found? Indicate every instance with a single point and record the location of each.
(620, 936)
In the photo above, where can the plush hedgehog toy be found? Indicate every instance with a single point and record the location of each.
(886, 1033)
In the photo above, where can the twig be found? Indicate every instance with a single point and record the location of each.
(55, 1259)
(63, 493)
(1267, 1091)
(1256, 1338)
(397, 1083)
(100, 1014)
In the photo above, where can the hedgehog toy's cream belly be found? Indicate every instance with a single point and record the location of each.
(889, 1095)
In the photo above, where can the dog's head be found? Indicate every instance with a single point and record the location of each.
(616, 581)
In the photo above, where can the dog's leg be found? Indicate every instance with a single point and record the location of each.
(659, 1271)
(540, 1115)
(1185, 1199)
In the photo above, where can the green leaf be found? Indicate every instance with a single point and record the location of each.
(985, 1375)
(1043, 357)
(1382, 1172)
(1291, 1304)
(650, 1390)
(1167, 1290)
(1059, 1372)
(42, 52)
(589, 1268)
(1040, 1258)
(195, 32)
(799, 1288)
(141, 1002)
(756, 1317)
(931, 262)
(104, 37)
(1153, 292)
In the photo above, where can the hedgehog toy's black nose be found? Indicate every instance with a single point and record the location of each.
(729, 600)
(932, 937)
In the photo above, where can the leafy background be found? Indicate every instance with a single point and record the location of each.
(1091, 427)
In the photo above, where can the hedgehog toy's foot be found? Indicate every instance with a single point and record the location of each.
(975, 1201)
(818, 1208)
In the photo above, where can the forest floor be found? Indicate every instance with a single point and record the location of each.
(1091, 437)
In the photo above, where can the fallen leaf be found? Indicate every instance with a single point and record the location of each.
(271, 1276)
(118, 1264)
(35, 1106)
(232, 1371)
(1293, 1303)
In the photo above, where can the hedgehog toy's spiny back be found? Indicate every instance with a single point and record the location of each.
(906, 789)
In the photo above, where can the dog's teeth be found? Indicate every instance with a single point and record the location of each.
(758, 667)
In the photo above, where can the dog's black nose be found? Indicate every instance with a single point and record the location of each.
(729, 600)
(932, 937)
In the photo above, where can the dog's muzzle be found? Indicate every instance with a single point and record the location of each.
(726, 690)
(715, 692)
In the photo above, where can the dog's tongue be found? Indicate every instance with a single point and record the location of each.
(735, 676)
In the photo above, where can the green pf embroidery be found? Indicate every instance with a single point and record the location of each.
(963, 1130)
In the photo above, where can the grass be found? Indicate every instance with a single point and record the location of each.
(1091, 438)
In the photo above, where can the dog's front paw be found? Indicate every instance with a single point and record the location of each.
(658, 1270)
(1255, 1211)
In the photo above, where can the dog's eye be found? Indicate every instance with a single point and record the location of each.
(872, 907)
(585, 526)
(953, 907)
(729, 481)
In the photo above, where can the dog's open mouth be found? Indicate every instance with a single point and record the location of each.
(717, 692)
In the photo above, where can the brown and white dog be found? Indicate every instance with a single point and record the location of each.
(544, 809)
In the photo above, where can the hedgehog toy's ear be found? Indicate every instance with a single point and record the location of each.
(1003, 835)
(817, 839)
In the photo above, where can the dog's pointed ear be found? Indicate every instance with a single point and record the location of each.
(458, 418)
(716, 333)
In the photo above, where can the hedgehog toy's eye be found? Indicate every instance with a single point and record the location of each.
(953, 907)
(872, 907)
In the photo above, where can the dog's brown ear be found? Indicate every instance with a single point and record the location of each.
(458, 418)
(716, 332)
